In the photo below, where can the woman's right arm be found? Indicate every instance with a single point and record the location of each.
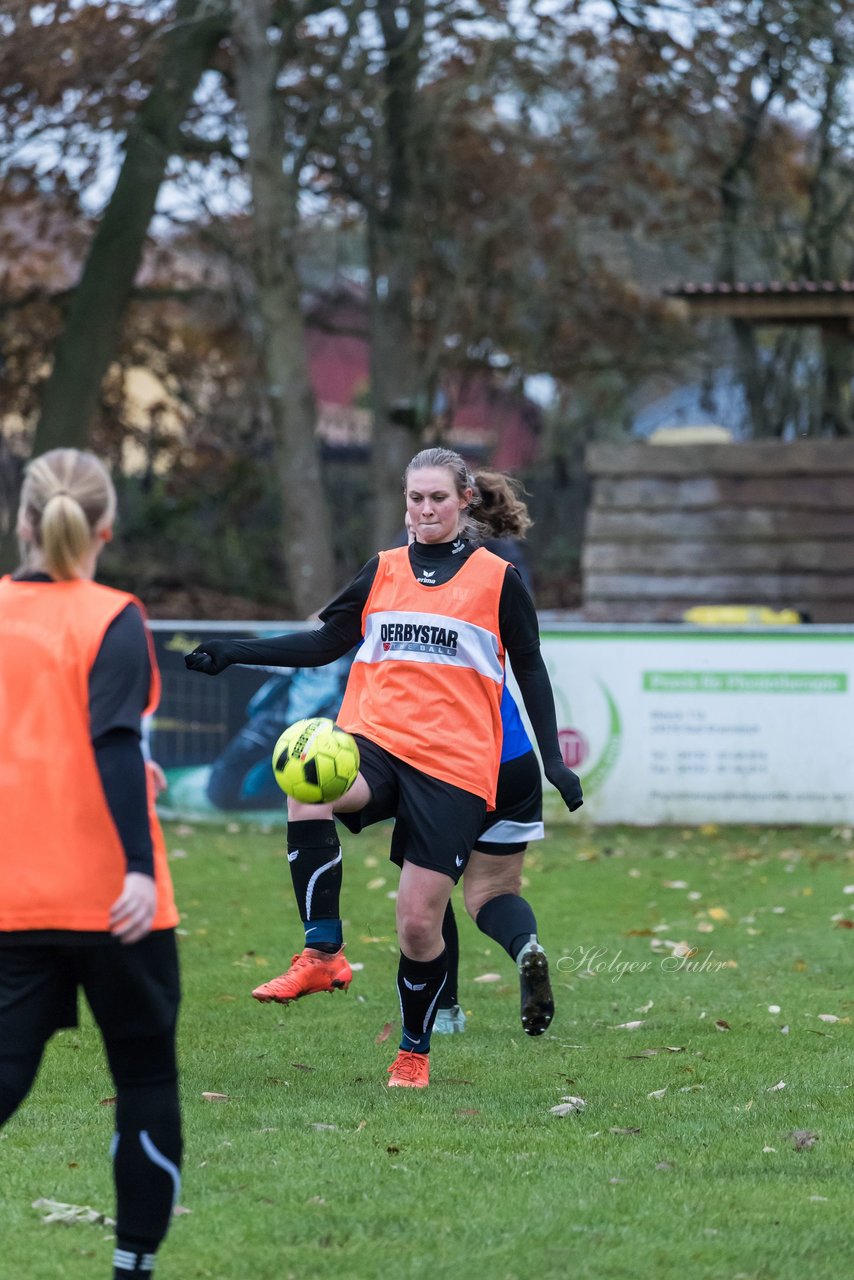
(340, 632)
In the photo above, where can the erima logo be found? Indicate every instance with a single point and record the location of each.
(426, 578)
(458, 546)
(293, 854)
(414, 986)
(459, 861)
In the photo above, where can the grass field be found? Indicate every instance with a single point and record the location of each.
(685, 1161)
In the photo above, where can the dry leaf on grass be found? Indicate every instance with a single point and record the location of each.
(70, 1214)
(324, 1128)
(488, 977)
(376, 883)
(721, 1025)
(827, 1017)
(774, 1088)
(567, 1106)
(803, 1139)
(632, 1130)
(216, 1097)
(657, 1093)
(630, 1026)
(385, 1033)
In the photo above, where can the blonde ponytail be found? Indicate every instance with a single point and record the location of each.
(67, 497)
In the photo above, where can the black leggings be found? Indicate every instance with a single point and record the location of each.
(147, 1144)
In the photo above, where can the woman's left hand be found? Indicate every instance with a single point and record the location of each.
(567, 783)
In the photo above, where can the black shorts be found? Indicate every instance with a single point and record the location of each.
(435, 823)
(133, 990)
(518, 814)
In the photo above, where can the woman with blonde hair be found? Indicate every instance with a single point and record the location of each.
(86, 899)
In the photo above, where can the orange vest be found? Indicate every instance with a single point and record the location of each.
(426, 681)
(62, 864)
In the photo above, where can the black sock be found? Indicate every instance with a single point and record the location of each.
(132, 1258)
(451, 938)
(147, 1147)
(509, 920)
(419, 986)
(314, 860)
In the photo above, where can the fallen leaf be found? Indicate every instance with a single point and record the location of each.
(108, 1102)
(324, 1128)
(721, 1025)
(630, 1026)
(616, 1181)
(316, 1200)
(803, 1139)
(645, 1008)
(818, 1197)
(657, 1093)
(385, 1033)
(467, 1111)
(773, 1008)
(845, 924)
(301, 1066)
(361, 1125)
(784, 1031)
(705, 927)
(376, 883)
(56, 1211)
(827, 1017)
(674, 884)
(768, 1150)
(215, 1097)
(718, 913)
(180, 1210)
(664, 1165)
(781, 1084)
(616, 1129)
(488, 977)
(567, 1106)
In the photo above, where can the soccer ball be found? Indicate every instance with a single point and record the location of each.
(314, 761)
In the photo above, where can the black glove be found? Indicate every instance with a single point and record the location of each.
(211, 657)
(567, 783)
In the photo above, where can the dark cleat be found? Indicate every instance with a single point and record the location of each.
(538, 1004)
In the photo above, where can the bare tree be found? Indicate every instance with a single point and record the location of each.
(306, 526)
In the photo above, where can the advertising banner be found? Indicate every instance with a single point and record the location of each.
(696, 726)
(665, 725)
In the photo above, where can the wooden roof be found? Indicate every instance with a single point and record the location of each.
(772, 302)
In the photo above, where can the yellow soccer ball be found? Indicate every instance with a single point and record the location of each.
(314, 761)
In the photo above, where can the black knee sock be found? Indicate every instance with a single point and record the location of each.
(419, 985)
(17, 1073)
(451, 938)
(509, 920)
(147, 1148)
(314, 859)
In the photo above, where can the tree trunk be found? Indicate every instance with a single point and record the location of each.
(307, 526)
(88, 341)
(396, 387)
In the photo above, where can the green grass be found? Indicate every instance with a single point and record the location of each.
(313, 1169)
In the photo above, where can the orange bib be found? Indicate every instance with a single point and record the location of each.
(62, 864)
(426, 681)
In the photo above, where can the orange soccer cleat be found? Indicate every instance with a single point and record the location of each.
(409, 1071)
(309, 972)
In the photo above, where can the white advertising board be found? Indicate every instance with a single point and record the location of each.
(693, 726)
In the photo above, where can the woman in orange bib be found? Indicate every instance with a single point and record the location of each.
(433, 622)
(85, 896)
